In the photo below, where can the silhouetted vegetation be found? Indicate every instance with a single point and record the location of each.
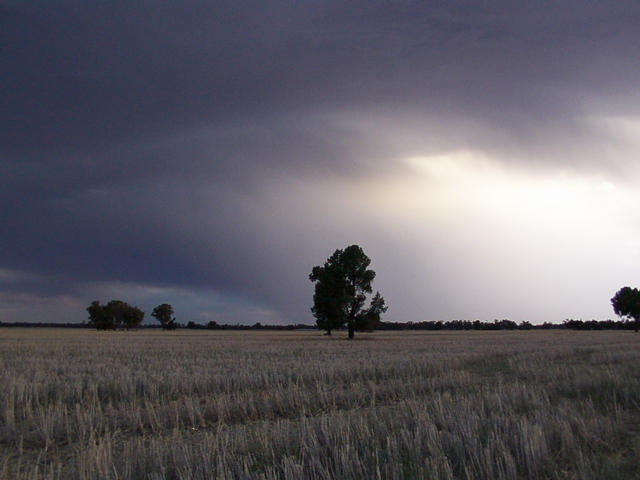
(114, 315)
(597, 325)
(507, 325)
(626, 304)
(569, 324)
(164, 314)
(213, 325)
(46, 325)
(341, 285)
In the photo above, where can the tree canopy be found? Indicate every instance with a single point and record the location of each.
(626, 303)
(341, 288)
(114, 315)
(164, 314)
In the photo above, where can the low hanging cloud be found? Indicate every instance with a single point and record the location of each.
(210, 155)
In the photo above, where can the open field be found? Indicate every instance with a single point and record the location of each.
(207, 404)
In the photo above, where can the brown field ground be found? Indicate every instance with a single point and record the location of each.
(81, 404)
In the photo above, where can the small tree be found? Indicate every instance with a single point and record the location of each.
(341, 285)
(626, 303)
(164, 314)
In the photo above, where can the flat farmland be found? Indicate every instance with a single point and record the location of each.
(81, 404)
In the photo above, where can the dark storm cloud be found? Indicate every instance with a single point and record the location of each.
(140, 139)
(82, 74)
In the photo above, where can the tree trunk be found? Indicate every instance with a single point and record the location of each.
(328, 332)
(352, 329)
(636, 325)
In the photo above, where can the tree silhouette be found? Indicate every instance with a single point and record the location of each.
(164, 314)
(124, 315)
(626, 303)
(115, 314)
(329, 296)
(341, 285)
(98, 316)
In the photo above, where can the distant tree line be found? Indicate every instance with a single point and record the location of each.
(341, 285)
(568, 324)
(504, 324)
(45, 325)
(213, 325)
(598, 325)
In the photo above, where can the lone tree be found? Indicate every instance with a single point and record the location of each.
(115, 314)
(626, 303)
(164, 314)
(341, 285)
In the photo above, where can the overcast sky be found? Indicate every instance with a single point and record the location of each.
(208, 154)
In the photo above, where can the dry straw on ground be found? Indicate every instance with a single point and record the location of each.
(79, 404)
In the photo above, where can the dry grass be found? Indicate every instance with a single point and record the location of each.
(78, 404)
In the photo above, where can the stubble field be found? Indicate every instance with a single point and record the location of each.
(81, 404)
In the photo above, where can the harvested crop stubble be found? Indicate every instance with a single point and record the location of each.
(82, 404)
